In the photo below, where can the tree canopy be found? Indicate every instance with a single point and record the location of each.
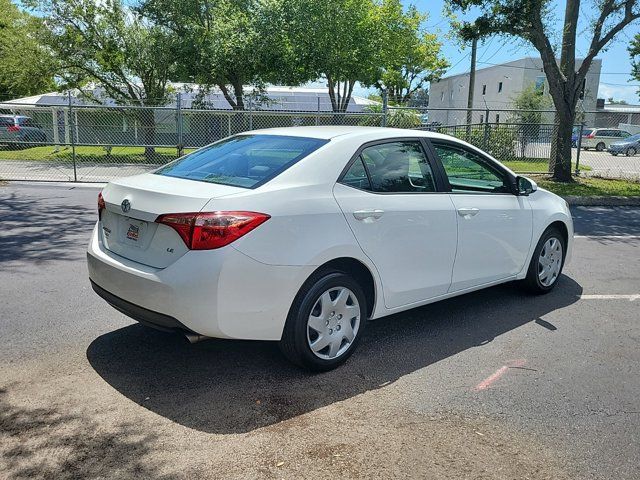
(27, 66)
(411, 56)
(112, 46)
(229, 44)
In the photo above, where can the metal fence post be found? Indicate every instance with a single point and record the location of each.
(250, 114)
(485, 140)
(180, 145)
(385, 107)
(72, 137)
(579, 147)
(318, 113)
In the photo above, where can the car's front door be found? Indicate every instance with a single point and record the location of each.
(494, 225)
(403, 224)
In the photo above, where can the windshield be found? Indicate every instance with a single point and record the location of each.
(242, 161)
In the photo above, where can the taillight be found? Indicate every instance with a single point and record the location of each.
(209, 230)
(13, 128)
(591, 135)
(101, 205)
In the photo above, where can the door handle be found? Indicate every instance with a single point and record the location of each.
(468, 212)
(368, 214)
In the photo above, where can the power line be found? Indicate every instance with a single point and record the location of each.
(541, 69)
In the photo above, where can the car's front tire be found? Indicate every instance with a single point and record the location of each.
(325, 322)
(547, 262)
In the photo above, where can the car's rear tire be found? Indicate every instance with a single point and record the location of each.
(600, 147)
(547, 262)
(614, 154)
(631, 152)
(325, 322)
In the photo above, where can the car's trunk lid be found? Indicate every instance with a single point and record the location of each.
(128, 227)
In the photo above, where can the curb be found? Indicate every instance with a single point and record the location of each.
(602, 201)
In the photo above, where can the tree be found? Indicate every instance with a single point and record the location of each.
(411, 56)
(634, 51)
(529, 104)
(530, 20)
(340, 41)
(419, 98)
(611, 101)
(108, 44)
(27, 66)
(226, 43)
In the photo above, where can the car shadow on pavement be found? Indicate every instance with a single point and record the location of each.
(224, 386)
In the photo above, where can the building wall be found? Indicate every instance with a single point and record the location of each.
(451, 93)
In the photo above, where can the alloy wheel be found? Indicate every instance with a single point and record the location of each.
(631, 152)
(333, 323)
(550, 262)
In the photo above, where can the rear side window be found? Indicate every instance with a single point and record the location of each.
(587, 131)
(6, 122)
(394, 167)
(242, 161)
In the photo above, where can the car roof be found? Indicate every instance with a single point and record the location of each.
(329, 132)
(14, 116)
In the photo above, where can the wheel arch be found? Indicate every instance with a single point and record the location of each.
(564, 230)
(359, 271)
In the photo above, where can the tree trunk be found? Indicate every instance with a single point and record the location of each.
(148, 124)
(238, 91)
(560, 165)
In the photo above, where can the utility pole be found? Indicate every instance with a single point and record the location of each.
(472, 82)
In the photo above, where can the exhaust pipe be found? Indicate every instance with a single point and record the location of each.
(194, 337)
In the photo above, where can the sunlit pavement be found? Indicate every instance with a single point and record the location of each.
(495, 384)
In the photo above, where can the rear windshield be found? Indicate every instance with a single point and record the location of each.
(587, 131)
(242, 161)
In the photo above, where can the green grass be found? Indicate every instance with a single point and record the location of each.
(591, 186)
(535, 165)
(95, 154)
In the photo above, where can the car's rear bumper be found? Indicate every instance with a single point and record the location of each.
(138, 313)
(217, 293)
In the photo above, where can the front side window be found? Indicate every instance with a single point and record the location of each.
(242, 161)
(469, 172)
(398, 167)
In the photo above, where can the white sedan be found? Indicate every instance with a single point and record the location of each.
(301, 235)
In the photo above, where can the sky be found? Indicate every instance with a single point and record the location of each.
(615, 80)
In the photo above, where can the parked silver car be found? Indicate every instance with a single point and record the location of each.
(601, 138)
(19, 131)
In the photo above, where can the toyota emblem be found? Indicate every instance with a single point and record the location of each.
(125, 205)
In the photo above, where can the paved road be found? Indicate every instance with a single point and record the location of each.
(495, 384)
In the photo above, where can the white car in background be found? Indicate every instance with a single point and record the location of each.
(300, 235)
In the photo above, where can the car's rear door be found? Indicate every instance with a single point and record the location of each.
(494, 225)
(390, 199)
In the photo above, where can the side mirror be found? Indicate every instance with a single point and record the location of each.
(525, 186)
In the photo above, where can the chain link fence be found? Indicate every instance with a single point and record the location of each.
(69, 142)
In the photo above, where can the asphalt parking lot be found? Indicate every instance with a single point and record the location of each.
(494, 384)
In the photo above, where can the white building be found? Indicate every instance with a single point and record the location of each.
(496, 87)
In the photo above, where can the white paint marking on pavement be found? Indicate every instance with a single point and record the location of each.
(631, 298)
(606, 237)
